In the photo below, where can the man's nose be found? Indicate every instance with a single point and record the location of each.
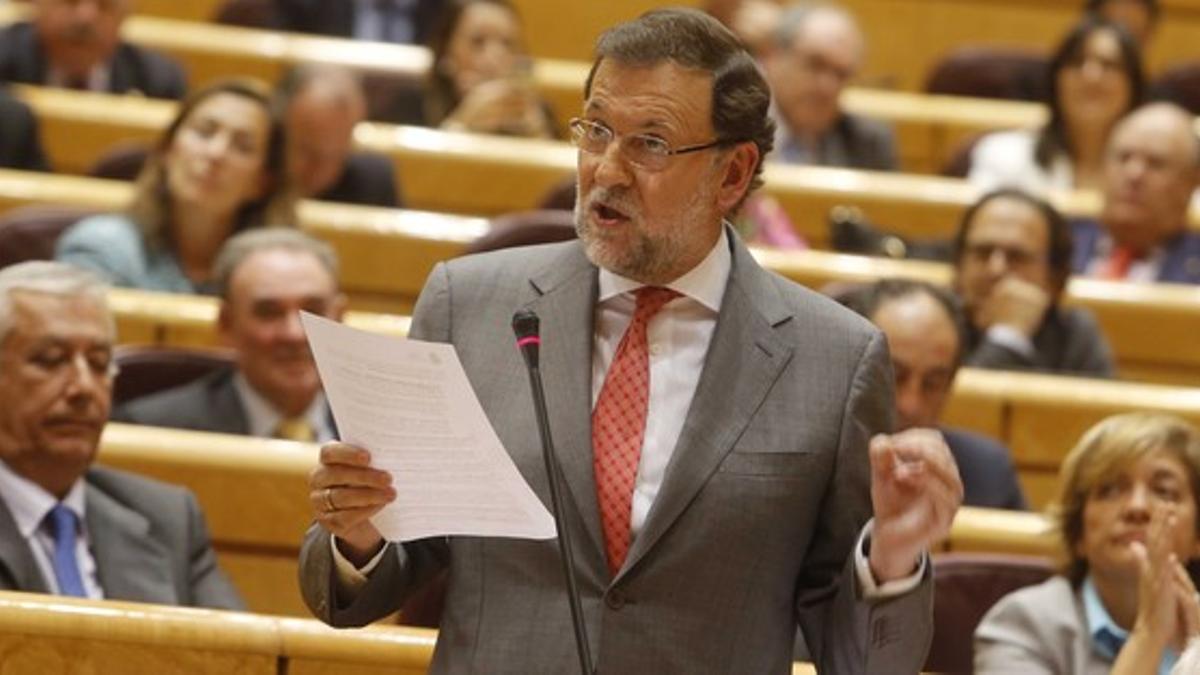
(611, 167)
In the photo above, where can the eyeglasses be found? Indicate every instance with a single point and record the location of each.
(1014, 257)
(643, 150)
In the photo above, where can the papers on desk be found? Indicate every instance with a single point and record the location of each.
(409, 403)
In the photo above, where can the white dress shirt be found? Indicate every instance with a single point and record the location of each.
(29, 505)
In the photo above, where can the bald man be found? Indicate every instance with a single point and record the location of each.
(1151, 169)
(322, 105)
(817, 50)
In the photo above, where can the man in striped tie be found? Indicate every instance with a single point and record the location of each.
(67, 527)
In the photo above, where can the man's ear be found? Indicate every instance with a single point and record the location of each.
(337, 309)
(739, 172)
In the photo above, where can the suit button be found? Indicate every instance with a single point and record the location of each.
(614, 599)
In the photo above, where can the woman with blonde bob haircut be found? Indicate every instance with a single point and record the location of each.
(217, 169)
(1125, 603)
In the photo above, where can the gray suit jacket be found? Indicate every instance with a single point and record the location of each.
(1069, 342)
(764, 497)
(210, 403)
(1039, 630)
(149, 541)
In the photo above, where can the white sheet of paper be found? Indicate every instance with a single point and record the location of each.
(410, 404)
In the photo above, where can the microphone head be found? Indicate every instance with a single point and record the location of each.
(526, 326)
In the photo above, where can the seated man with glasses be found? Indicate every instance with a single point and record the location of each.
(1012, 258)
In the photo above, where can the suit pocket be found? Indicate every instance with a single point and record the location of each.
(768, 464)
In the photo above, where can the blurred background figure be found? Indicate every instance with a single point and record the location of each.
(1012, 258)
(926, 335)
(20, 138)
(1125, 602)
(401, 21)
(480, 78)
(1094, 77)
(265, 278)
(321, 105)
(753, 21)
(68, 527)
(1138, 17)
(77, 44)
(816, 52)
(1151, 172)
(218, 168)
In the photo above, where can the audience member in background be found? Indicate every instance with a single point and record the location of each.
(266, 277)
(321, 105)
(1012, 259)
(77, 44)
(926, 334)
(67, 527)
(217, 169)
(817, 50)
(1138, 17)
(20, 140)
(1125, 602)
(1094, 78)
(1151, 170)
(403, 21)
(480, 79)
(753, 21)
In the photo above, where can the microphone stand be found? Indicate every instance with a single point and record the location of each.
(526, 326)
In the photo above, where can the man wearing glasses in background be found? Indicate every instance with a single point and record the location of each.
(1012, 261)
(712, 418)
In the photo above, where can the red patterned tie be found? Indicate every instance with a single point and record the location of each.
(619, 424)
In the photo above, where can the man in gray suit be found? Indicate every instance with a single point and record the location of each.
(66, 527)
(743, 504)
(266, 277)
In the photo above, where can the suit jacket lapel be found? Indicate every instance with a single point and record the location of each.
(18, 569)
(744, 359)
(225, 405)
(131, 565)
(565, 301)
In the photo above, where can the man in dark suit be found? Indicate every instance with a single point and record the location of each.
(926, 334)
(816, 51)
(321, 106)
(1012, 258)
(713, 419)
(402, 21)
(20, 140)
(77, 44)
(66, 527)
(265, 278)
(1151, 172)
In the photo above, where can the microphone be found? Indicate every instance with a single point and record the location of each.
(525, 326)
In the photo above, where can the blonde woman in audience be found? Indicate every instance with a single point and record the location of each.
(217, 169)
(1125, 603)
(1094, 78)
(480, 79)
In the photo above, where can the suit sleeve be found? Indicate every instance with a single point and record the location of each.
(406, 567)
(209, 586)
(846, 632)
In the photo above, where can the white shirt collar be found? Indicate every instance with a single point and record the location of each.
(704, 283)
(263, 418)
(29, 502)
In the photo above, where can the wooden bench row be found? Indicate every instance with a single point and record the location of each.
(51, 634)
(929, 128)
(254, 495)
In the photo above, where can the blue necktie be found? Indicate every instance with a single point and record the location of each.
(61, 522)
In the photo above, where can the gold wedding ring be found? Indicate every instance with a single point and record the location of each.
(329, 507)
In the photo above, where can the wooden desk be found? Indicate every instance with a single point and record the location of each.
(51, 634)
(996, 531)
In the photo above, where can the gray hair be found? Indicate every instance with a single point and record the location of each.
(51, 278)
(243, 245)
